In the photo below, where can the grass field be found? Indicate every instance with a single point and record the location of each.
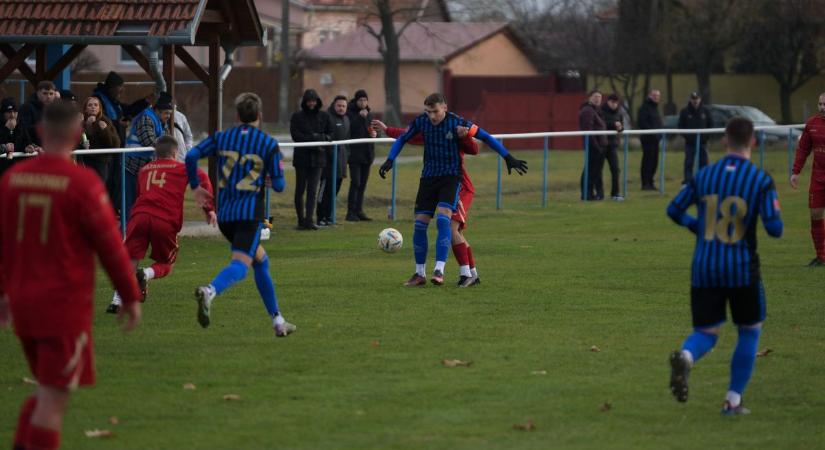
(364, 369)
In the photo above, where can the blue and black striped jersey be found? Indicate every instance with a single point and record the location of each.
(246, 155)
(729, 196)
(441, 155)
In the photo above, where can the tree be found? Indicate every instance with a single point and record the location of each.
(783, 42)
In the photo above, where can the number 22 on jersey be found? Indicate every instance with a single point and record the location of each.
(733, 210)
(248, 181)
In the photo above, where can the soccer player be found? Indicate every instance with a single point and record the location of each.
(56, 219)
(247, 157)
(729, 196)
(813, 139)
(157, 215)
(438, 189)
(458, 221)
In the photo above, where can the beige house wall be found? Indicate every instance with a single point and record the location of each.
(417, 81)
(326, 24)
(497, 56)
(760, 91)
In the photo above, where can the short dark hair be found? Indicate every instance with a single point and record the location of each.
(249, 106)
(166, 147)
(739, 132)
(434, 99)
(339, 97)
(60, 119)
(47, 85)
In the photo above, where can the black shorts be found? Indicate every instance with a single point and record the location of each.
(435, 192)
(243, 235)
(747, 305)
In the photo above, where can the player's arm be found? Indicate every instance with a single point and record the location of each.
(769, 210)
(677, 209)
(412, 130)
(395, 132)
(276, 170)
(512, 163)
(466, 144)
(803, 149)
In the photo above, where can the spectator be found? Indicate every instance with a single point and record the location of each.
(146, 129)
(30, 115)
(650, 119)
(183, 134)
(695, 116)
(340, 131)
(99, 132)
(361, 156)
(67, 96)
(9, 129)
(308, 124)
(591, 120)
(614, 120)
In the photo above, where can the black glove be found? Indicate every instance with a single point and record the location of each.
(386, 167)
(513, 163)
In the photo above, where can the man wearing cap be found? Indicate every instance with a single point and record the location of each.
(614, 121)
(31, 113)
(695, 116)
(9, 128)
(146, 129)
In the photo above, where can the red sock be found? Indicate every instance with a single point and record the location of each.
(161, 270)
(460, 252)
(470, 257)
(42, 439)
(818, 235)
(23, 422)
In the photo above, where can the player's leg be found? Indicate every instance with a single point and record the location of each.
(747, 306)
(138, 231)
(47, 418)
(708, 310)
(460, 245)
(448, 189)
(266, 288)
(816, 202)
(425, 203)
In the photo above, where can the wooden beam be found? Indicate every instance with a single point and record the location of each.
(192, 64)
(64, 61)
(17, 61)
(139, 58)
(212, 16)
(40, 64)
(169, 68)
(232, 20)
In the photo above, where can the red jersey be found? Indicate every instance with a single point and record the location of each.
(56, 218)
(161, 188)
(812, 140)
(467, 145)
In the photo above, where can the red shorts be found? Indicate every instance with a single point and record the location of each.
(465, 199)
(816, 194)
(64, 362)
(143, 230)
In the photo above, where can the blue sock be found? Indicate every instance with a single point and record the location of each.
(265, 286)
(741, 365)
(231, 274)
(699, 343)
(445, 235)
(420, 243)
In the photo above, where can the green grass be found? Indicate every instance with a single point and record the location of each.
(364, 369)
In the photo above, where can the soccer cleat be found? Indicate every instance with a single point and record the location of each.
(204, 296)
(816, 262)
(284, 329)
(143, 284)
(437, 278)
(113, 308)
(738, 410)
(416, 280)
(679, 371)
(466, 281)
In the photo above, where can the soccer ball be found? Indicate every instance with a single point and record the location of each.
(390, 240)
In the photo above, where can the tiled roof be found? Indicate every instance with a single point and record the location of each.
(421, 41)
(94, 17)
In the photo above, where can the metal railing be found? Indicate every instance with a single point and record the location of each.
(547, 136)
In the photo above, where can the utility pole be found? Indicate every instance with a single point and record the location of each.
(283, 92)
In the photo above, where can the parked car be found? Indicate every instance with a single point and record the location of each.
(722, 113)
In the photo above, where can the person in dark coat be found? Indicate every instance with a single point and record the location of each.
(650, 119)
(613, 120)
(30, 115)
(99, 132)
(591, 120)
(340, 131)
(309, 124)
(361, 156)
(9, 129)
(695, 116)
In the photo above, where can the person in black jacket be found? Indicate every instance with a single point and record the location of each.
(30, 116)
(340, 131)
(614, 120)
(309, 124)
(695, 116)
(361, 156)
(650, 119)
(9, 129)
(591, 120)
